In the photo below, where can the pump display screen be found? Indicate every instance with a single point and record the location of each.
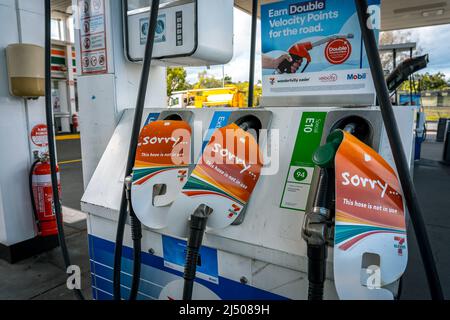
(175, 31)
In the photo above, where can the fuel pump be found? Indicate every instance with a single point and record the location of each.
(336, 218)
(224, 257)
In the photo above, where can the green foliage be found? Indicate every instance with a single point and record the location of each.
(176, 80)
(207, 82)
(244, 88)
(426, 82)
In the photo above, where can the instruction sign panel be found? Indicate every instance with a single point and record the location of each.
(175, 255)
(301, 170)
(94, 58)
(160, 33)
(314, 48)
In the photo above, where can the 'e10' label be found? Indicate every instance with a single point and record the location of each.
(301, 170)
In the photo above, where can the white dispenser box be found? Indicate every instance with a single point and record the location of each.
(189, 32)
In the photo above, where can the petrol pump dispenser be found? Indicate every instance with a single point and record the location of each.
(358, 209)
(193, 32)
(241, 243)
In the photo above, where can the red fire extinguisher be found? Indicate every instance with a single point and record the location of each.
(42, 197)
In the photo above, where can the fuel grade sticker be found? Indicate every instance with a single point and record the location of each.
(301, 170)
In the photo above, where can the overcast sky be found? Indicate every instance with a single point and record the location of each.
(433, 40)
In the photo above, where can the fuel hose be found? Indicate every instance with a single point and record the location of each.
(398, 153)
(30, 189)
(51, 143)
(124, 205)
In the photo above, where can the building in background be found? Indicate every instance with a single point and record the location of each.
(64, 82)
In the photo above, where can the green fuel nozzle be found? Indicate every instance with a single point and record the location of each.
(317, 226)
(325, 154)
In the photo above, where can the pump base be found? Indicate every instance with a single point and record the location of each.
(28, 248)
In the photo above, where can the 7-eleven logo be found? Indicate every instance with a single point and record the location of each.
(400, 245)
(182, 174)
(233, 211)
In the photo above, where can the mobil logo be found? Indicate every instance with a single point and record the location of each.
(357, 76)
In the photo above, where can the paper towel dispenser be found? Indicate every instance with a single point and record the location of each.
(26, 70)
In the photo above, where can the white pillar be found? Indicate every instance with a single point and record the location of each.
(24, 22)
(103, 97)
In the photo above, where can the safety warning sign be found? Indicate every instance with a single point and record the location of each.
(39, 135)
(93, 36)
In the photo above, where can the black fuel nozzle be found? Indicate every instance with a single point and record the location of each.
(198, 223)
(251, 124)
(404, 70)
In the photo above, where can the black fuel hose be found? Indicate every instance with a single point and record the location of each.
(198, 223)
(30, 189)
(51, 142)
(317, 251)
(317, 258)
(398, 153)
(136, 235)
(130, 164)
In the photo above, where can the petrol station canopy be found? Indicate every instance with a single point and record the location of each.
(396, 14)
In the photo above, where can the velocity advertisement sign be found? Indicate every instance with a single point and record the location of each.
(314, 48)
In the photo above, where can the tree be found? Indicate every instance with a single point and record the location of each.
(427, 81)
(207, 82)
(176, 80)
(395, 37)
(244, 88)
(227, 80)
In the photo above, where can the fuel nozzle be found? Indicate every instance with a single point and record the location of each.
(318, 225)
(405, 70)
(324, 155)
(198, 223)
(251, 124)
